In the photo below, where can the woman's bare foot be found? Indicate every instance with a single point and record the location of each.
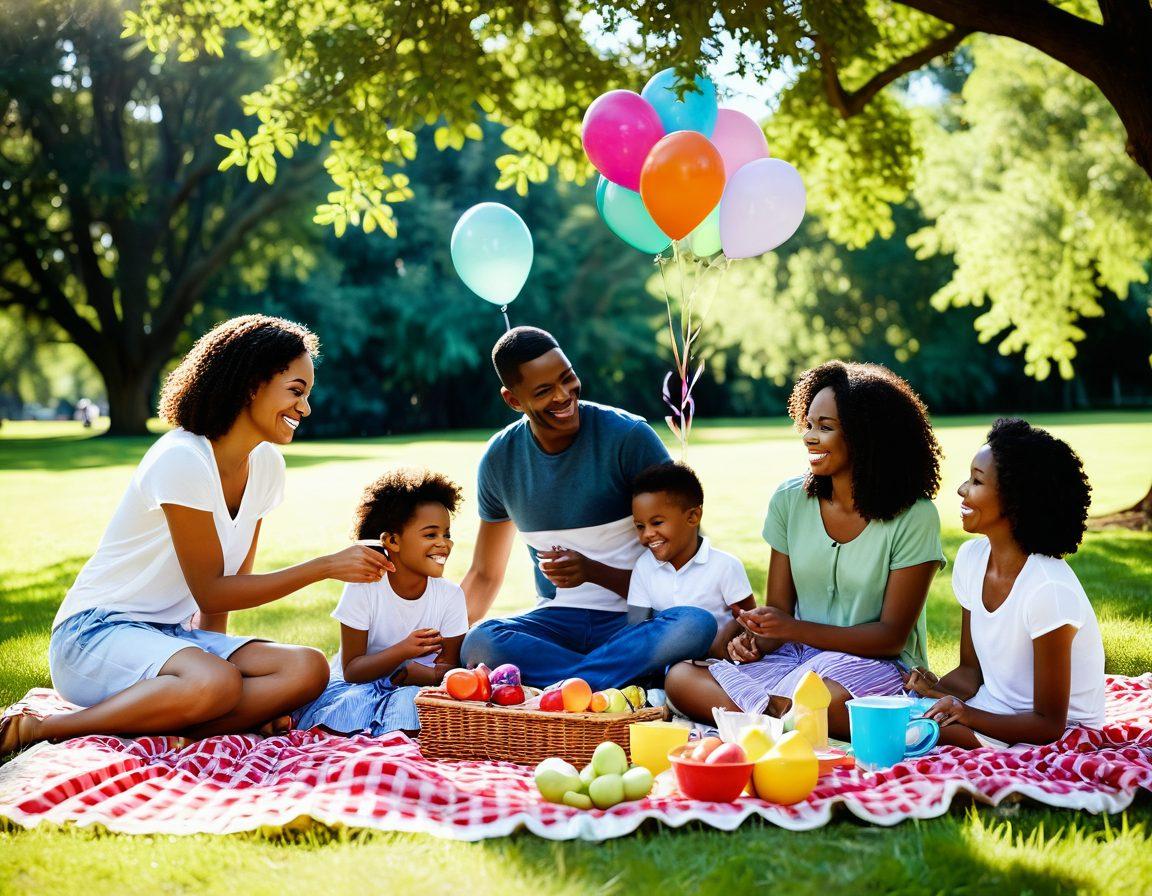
(280, 725)
(18, 731)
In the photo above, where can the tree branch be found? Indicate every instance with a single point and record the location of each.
(1081, 45)
(849, 103)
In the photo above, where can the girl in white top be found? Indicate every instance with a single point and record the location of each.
(181, 545)
(1031, 656)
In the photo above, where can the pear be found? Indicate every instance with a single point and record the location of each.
(635, 695)
(609, 759)
(587, 776)
(616, 700)
(554, 777)
(606, 791)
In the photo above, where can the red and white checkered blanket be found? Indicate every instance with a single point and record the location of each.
(241, 783)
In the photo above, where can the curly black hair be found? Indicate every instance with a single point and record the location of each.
(1044, 492)
(220, 375)
(673, 478)
(894, 453)
(391, 501)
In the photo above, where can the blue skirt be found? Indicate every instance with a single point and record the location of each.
(375, 707)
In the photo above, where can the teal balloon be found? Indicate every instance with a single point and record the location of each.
(601, 189)
(695, 112)
(624, 213)
(492, 252)
(705, 239)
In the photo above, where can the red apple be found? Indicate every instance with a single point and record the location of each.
(508, 695)
(552, 701)
(704, 749)
(726, 753)
(483, 685)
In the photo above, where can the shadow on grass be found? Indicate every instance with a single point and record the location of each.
(28, 604)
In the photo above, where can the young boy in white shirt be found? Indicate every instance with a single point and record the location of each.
(680, 567)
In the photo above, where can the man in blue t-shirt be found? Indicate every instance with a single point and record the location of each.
(561, 475)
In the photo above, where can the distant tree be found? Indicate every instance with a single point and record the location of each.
(114, 221)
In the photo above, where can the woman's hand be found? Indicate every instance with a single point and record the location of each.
(743, 649)
(769, 622)
(357, 563)
(924, 682)
(949, 711)
(422, 642)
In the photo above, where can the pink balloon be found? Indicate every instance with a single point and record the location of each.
(619, 129)
(739, 139)
(762, 206)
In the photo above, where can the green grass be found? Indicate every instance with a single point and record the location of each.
(58, 488)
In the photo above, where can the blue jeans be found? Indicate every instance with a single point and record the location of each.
(549, 644)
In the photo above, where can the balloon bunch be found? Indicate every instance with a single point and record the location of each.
(492, 253)
(678, 171)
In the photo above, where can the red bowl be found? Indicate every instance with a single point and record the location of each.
(719, 783)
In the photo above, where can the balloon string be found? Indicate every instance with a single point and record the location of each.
(507, 324)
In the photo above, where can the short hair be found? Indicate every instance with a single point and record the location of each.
(519, 346)
(1044, 492)
(389, 502)
(673, 478)
(217, 379)
(894, 453)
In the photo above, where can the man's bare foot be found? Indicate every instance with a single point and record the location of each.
(18, 731)
(281, 725)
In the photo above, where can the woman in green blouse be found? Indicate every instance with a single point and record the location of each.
(855, 545)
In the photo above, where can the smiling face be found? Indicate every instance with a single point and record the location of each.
(425, 543)
(823, 436)
(279, 405)
(547, 394)
(980, 510)
(664, 527)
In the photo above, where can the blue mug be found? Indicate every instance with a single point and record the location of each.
(884, 732)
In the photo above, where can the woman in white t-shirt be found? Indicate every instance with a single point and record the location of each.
(181, 546)
(1031, 656)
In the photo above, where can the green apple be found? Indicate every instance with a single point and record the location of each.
(616, 701)
(606, 791)
(577, 800)
(554, 777)
(587, 776)
(637, 783)
(609, 759)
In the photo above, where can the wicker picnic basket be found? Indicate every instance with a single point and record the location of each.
(456, 729)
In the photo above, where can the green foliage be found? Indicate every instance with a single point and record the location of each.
(1029, 197)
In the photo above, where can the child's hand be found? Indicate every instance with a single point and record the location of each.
(422, 642)
(357, 564)
(743, 649)
(768, 622)
(949, 711)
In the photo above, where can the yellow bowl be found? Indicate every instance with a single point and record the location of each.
(650, 742)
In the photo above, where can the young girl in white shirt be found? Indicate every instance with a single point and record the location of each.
(404, 631)
(1031, 656)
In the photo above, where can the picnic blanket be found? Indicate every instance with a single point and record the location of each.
(242, 782)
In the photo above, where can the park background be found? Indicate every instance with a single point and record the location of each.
(981, 225)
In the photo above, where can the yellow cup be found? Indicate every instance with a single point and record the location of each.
(649, 743)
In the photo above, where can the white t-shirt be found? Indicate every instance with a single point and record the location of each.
(712, 580)
(135, 569)
(375, 608)
(1045, 596)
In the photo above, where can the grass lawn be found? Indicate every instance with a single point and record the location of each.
(58, 489)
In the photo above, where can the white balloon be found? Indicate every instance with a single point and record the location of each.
(762, 206)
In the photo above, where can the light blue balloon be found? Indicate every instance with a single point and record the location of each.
(696, 112)
(624, 212)
(492, 252)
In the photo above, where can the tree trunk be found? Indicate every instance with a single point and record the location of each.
(129, 401)
(1138, 516)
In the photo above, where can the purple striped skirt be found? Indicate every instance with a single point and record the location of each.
(750, 685)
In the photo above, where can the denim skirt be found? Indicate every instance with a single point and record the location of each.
(97, 653)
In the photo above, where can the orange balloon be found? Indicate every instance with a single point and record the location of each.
(681, 181)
